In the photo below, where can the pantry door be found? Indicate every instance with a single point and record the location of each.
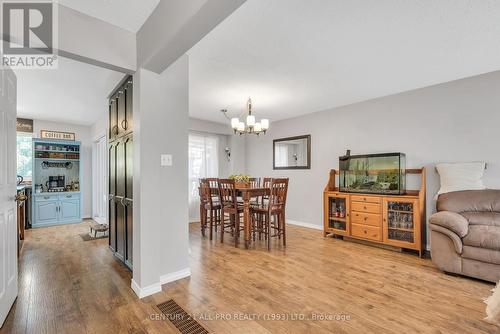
(8, 191)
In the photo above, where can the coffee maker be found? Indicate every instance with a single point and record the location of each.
(56, 183)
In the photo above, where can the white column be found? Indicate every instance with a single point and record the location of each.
(161, 122)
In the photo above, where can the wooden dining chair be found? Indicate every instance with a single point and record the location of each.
(210, 208)
(254, 182)
(228, 197)
(261, 216)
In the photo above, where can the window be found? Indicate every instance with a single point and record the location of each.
(203, 162)
(24, 155)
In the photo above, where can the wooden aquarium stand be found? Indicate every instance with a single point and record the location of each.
(393, 220)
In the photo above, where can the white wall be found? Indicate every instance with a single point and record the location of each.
(100, 127)
(451, 122)
(82, 134)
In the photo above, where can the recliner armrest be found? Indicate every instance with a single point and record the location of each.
(451, 221)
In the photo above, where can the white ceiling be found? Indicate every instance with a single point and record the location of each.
(127, 14)
(295, 57)
(74, 93)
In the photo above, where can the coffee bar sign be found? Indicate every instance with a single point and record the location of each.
(45, 134)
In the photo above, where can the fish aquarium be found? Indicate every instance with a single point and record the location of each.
(383, 173)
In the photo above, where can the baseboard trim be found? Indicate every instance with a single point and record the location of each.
(156, 287)
(146, 291)
(306, 225)
(176, 275)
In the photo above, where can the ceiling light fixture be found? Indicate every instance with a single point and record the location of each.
(251, 125)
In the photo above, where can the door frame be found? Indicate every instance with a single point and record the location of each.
(100, 177)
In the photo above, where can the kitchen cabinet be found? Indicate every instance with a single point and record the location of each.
(56, 171)
(121, 174)
(56, 209)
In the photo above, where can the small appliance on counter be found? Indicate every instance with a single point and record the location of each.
(56, 183)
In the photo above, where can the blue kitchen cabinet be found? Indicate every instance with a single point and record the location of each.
(57, 209)
(46, 212)
(56, 182)
(69, 209)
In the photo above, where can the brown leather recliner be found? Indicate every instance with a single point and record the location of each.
(465, 233)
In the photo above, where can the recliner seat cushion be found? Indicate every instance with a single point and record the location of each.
(483, 236)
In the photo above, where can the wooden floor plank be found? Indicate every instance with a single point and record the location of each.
(67, 285)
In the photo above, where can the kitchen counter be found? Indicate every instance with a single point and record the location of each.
(45, 193)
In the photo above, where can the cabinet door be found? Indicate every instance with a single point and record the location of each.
(129, 167)
(129, 217)
(129, 228)
(122, 122)
(113, 118)
(111, 196)
(120, 228)
(129, 107)
(401, 222)
(119, 200)
(69, 209)
(337, 214)
(46, 212)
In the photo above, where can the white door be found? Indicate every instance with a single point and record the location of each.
(8, 208)
(99, 181)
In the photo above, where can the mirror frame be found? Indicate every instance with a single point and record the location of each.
(308, 166)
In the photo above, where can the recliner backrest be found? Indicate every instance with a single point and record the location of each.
(479, 207)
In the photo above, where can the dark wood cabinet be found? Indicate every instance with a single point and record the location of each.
(112, 194)
(121, 152)
(129, 119)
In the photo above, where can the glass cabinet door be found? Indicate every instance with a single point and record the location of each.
(337, 214)
(401, 222)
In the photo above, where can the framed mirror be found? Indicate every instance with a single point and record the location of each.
(292, 153)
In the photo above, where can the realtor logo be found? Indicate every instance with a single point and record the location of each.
(29, 34)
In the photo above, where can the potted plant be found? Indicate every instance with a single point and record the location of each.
(242, 180)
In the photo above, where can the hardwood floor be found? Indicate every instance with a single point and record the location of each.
(71, 286)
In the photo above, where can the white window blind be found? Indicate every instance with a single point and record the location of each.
(203, 162)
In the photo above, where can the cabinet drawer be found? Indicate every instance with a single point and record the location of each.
(366, 232)
(366, 199)
(46, 197)
(371, 219)
(365, 207)
(69, 196)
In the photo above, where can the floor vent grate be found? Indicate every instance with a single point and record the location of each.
(180, 318)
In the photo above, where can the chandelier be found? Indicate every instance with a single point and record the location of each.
(251, 125)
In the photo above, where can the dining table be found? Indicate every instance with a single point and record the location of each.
(246, 192)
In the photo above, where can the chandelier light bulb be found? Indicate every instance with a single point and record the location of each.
(265, 124)
(241, 127)
(235, 122)
(250, 120)
(257, 127)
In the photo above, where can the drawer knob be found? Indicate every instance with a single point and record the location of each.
(46, 197)
(365, 231)
(366, 218)
(364, 207)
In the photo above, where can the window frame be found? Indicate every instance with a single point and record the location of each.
(30, 135)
